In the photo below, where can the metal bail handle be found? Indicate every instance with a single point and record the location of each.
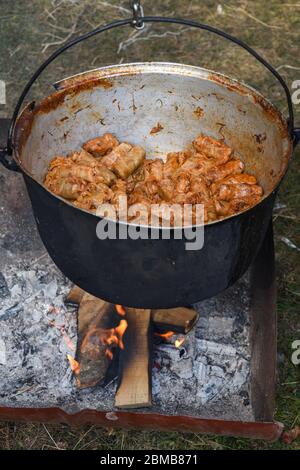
(138, 21)
(138, 14)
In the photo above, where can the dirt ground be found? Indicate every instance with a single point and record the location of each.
(31, 30)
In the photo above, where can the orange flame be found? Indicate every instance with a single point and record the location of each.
(179, 342)
(166, 335)
(96, 337)
(115, 337)
(109, 354)
(120, 330)
(121, 310)
(106, 337)
(75, 366)
(111, 339)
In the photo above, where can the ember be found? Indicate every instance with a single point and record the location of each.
(69, 343)
(121, 310)
(120, 330)
(109, 354)
(179, 342)
(166, 335)
(75, 366)
(67, 339)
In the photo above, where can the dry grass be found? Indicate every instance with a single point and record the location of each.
(29, 32)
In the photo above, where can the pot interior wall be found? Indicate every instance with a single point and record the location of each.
(130, 100)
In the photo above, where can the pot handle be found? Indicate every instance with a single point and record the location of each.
(137, 21)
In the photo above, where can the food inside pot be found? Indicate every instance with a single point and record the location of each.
(206, 173)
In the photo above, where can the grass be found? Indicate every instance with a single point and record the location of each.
(27, 29)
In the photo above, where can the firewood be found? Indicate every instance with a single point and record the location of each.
(74, 296)
(93, 362)
(93, 311)
(135, 382)
(179, 320)
(95, 319)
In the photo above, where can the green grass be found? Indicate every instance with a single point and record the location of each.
(273, 28)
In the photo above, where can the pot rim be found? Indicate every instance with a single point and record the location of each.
(99, 75)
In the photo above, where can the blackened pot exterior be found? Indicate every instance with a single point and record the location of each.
(147, 273)
(128, 100)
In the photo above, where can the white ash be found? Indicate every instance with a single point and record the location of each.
(2, 353)
(208, 375)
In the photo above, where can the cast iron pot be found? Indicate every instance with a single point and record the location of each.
(129, 100)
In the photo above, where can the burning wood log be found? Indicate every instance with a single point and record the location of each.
(135, 386)
(93, 360)
(98, 333)
(179, 320)
(93, 312)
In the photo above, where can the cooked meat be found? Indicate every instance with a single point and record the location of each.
(101, 145)
(118, 152)
(197, 164)
(83, 158)
(166, 189)
(226, 192)
(104, 174)
(212, 148)
(93, 196)
(242, 178)
(118, 189)
(174, 161)
(97, 174)
(152, 189)
(227, 208)
(154, 168)
(207, 173)
(233, 167)
(127, 163)
(57, 161)
(182, 183)
(69, 188)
